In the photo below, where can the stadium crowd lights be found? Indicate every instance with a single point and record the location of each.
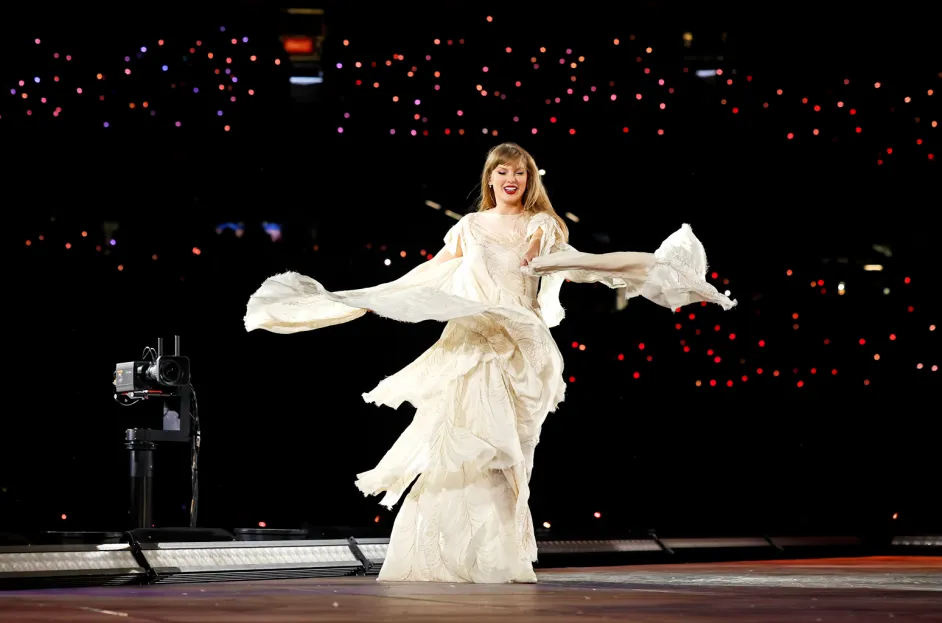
(578, 90)
(201, 80)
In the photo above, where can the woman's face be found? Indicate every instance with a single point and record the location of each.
(509, 181)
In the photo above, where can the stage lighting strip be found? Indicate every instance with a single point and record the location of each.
(191, 557)
(376, 552)
(115, 559)
(595, 547)
(918, 541)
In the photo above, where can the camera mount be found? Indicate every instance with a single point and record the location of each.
(165, 378)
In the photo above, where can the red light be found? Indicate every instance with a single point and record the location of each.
(801, 383)
(826, 341)
(692, 316)
(814, 370)
(717, 359)
(262, 524)
(732, 336)
(820, 282)
(907, 280)
(677, 326)
(758, 370)
(376, 519)
(712, 383)
(892, 336)
(710, 353)
(552, 119)
(862, 341)
(621, 357)
(63, 516)
(729, 383)
(889, 150)
(910, 309)
(735, 111)
(761, 343)
(637, 375)
(299, 45)
(853, 111)
(625, 129)
(572, 379)
(572, 130)
(834, 372)
(744, 378)
(641, 346)
(858, 129)
(716, 328)
(715, 275)
(575, 344)
(686, 349)
(790, 136)
(196, 251)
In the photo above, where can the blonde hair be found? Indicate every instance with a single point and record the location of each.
(535, 199)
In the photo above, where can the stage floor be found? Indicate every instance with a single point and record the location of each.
(845, 589)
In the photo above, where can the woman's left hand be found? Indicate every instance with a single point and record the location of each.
(528, 256)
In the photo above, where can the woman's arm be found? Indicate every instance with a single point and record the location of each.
(445, 255)
(534, 249)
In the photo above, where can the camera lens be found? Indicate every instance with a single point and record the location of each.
(170, 372)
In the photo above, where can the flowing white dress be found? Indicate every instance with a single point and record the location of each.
(484, 389)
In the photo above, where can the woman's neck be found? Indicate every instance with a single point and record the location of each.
(507, 209)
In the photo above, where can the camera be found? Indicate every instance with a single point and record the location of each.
(165, 374)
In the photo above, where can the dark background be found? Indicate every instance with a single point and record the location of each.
(284, 429)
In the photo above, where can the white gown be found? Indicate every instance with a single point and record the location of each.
(483, 390)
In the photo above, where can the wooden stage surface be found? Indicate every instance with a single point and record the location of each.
(846, 589)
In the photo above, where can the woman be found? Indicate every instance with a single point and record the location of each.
(483, 390)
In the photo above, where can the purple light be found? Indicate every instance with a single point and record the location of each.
(153, 113)
(196, 89)
(143, 49)
(219, 113)
(346, 115)
(36, 79)
(228, 71)
(127, 59)
(340, 130)
(222, 29)
(164, 68)
(234, 79)
(107, 125)
(178, 124)
(112, 242)
(393, 131)
(12, 91)
(417, 102)
(245, 39)
(339, 65)
(413, 132)
(428, 57)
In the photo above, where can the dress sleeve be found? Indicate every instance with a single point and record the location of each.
(672, 276)
(454, 236)
(552, 244)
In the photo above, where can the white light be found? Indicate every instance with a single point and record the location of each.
(727, 293)
(453, 215)
(546, 524)
(306, 80)
(873, 267)
(433, 205)
(572, 217)
(542, 171)
(387, 262)
(840, 286)
(886, 290)
(706, 73)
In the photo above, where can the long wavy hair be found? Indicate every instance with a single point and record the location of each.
(535, 199)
